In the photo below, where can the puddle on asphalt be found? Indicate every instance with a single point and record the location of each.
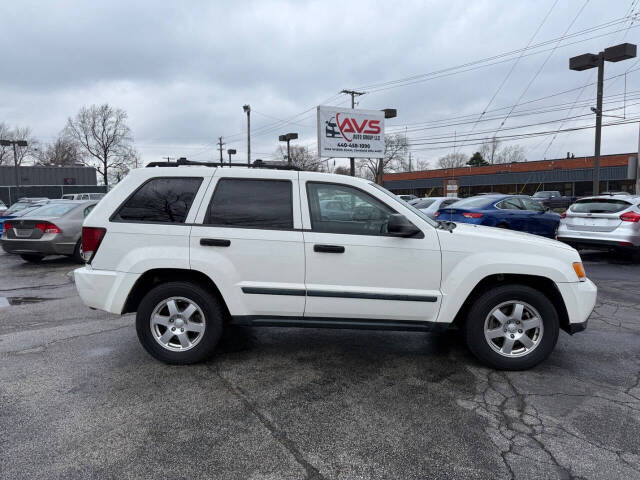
(9, 301)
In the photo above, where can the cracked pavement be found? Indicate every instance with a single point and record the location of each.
(79, 397)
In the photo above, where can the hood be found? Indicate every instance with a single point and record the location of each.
(468, 237)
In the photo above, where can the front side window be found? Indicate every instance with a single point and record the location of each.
(251, 203)
(161, 200)
(360, 213)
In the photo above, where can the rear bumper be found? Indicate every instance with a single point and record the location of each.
(42, 247)
(622, 236)
(597, 243)
(579, 299)
(104, 289)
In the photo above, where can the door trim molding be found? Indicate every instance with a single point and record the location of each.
(338, 323)
(301, 292)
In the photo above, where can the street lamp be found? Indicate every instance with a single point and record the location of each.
(287, 138)
(231, 151)
(617, 53)
(19, 143)
(247, 110)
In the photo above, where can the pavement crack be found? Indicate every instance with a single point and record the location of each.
(312, 472)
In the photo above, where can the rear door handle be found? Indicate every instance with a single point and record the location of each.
(328, 248)
(215, 242)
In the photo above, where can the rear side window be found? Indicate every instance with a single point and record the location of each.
(473, 202)
(599, 205)
(160, 200)
(251, 203)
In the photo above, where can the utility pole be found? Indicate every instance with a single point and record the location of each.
(168, 159)
(247, 109)
(354, 94)
(220, 144)
(638, 164)
(596, 156)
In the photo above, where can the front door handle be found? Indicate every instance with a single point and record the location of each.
(328, 248)
(215, 242)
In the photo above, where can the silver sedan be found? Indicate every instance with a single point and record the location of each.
(53, 229)
(604, 221)
(431, 205)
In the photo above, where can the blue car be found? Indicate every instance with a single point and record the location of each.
(515, 212)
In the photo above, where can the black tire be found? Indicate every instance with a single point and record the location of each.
(77, 253)
(503, 225)
(32, 258)
(483, 306)
(213, 316)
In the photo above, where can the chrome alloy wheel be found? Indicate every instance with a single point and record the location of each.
(513, 329)
(177, 324)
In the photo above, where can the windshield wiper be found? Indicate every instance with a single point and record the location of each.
(447, 225)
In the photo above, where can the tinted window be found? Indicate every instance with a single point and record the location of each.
(165, 200)
(530, 204)
(360, 214)
(599, 205)
(510, 204)
(87, 210)
(249, 203)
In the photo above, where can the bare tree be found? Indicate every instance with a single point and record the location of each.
(22, 153)
(301, 157)
(5, 151)
(396, 148)
(130, 160)
(340, 170)
(511, 154)
(453, 160)
(62, 152)
(101, 134)
(489, 150)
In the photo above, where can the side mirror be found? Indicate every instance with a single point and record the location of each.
(399, 226)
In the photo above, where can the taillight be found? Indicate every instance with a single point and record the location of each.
(437, 214)
(8, 226)
(472, 215)
(563, 214)
(47, 227)
(91, 238)
(630, 217)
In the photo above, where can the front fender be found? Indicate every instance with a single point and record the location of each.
(461, 272)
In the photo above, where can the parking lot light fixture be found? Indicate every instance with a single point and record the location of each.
(231, 151)
(586, 61)
(287, 138)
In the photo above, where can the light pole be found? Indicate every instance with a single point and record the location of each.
(586, 61)
(247, 109)
(287, 138)
(231, 151)
(15, 143)
(388, 113)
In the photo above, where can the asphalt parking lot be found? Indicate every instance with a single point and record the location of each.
(81, 399)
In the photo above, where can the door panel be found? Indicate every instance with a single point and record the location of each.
(259, 270)
(372, 276)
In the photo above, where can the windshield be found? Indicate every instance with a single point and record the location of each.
(599, 205)
(405, 204)
(53, 210)
(16, 207)
(423, 203)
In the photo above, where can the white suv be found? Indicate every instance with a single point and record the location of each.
(192, 249)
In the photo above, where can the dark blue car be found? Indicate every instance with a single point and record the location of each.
(515, 212)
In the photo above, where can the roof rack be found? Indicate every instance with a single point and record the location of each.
(256, 164)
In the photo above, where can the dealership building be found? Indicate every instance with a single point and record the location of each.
(570, 176)
(46, 181)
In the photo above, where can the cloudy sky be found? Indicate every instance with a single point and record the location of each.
(183, 70)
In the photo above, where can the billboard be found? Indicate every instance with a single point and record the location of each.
(344, 133)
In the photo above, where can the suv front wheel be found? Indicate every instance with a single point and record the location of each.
(512, 327)
(179, 323)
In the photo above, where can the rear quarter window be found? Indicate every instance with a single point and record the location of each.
(160, 200)
(600, 205)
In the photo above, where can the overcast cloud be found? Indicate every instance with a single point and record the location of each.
(183, 70)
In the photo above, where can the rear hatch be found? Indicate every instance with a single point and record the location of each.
(596, 214)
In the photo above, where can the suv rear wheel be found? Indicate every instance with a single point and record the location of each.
(512, 327)
(179, 323)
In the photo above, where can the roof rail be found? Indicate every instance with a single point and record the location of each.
(256, 164)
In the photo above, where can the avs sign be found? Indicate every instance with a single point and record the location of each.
(344, 132)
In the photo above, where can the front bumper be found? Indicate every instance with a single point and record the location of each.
(38, 247)
(579, 300)
(104, 289)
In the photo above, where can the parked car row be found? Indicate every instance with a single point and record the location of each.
(34, 227)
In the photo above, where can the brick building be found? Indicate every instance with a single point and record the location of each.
(571, 176)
